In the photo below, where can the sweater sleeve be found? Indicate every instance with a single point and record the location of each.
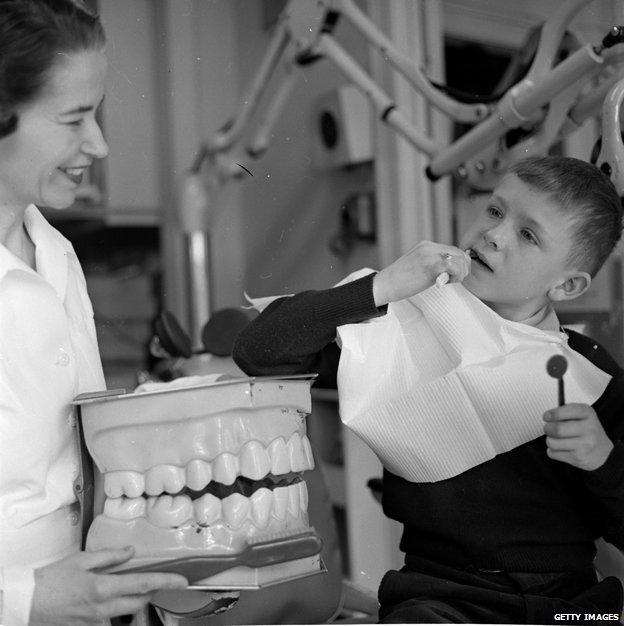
(606, 483)
(295, 335)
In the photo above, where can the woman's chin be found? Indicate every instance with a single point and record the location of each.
(58, 203)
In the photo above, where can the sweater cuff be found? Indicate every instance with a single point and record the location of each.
(609, 477)
(351, 302)
(17, 586)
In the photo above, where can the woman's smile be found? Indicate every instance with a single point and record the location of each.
(75, 174)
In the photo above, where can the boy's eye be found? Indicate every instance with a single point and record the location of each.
(494, 211)
(528, 235)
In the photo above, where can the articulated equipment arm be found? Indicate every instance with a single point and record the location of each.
(551, 100)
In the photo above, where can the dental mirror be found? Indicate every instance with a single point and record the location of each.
(556, 367)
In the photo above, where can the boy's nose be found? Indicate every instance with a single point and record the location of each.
(495, 238)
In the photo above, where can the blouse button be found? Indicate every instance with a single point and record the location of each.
(63, 358)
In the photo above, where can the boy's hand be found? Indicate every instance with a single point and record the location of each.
(574, 435)
(417, 270)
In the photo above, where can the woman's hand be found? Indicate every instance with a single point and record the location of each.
(417, 270)
(574, 435)
(69, 591)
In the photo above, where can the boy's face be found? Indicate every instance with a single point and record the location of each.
(522, 242)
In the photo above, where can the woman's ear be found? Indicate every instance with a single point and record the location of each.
(570, 288)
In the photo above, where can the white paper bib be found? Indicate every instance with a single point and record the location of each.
(442, 383)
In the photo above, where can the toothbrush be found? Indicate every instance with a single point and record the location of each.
(266, 549)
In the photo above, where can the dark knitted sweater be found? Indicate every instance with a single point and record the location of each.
(520, 511)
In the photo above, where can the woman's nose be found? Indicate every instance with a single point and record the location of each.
(94, 143)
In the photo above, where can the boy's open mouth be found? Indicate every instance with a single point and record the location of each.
(475, 256)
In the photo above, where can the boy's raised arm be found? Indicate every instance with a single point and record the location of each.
(295, 334)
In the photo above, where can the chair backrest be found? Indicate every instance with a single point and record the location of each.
(609, 562)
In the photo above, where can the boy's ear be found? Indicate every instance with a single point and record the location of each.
(572, 287)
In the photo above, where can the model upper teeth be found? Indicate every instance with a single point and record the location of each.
(159, 494)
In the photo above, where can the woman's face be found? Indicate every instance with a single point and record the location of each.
(57, 136)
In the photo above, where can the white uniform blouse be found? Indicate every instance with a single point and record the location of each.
(48, 355)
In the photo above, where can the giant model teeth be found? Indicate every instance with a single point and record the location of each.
(280, 461)
(235, 510)
(200, 470)
(225, 468)
(307, 451)
(207, 509)
(124, 508)
(169, 511)
(254, 461)
(298, 461)
(303, 495)
(164, 478)
(261, 504)
(120, 483)
(294, 502)
(198, 474)
(280, 502)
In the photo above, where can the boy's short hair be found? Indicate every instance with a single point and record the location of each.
(585, 193)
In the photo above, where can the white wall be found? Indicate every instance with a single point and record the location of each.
(289, 208)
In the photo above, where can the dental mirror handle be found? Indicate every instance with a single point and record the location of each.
(556, 367)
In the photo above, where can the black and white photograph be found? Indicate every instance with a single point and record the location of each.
(311, 312)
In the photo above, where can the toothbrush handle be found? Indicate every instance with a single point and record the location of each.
(561, 391)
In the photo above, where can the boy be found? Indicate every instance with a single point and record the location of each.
(512, 539)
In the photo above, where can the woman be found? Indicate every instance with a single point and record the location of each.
(52, 69)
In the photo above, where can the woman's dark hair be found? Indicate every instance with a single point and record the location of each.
(32, 34)
(587, 196)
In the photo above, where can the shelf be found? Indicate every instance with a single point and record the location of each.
(131, 216)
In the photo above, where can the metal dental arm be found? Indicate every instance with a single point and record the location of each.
(550, 101)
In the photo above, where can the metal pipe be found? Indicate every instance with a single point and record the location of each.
(224, 140)
(404, 65)
(385, 106)
(518, 106)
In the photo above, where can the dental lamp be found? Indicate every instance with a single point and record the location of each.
(553, 99)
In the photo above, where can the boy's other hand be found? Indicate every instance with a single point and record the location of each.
(417, 270)
(69, 591)
(574, 435)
